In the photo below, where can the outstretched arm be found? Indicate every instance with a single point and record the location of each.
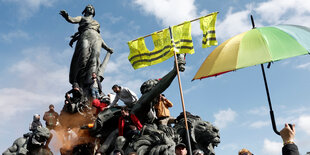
(73, 20)
(145, 99)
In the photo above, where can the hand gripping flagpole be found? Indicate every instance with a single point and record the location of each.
(181, 93)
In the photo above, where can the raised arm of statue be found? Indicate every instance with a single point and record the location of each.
(73, 20)
(144, 101)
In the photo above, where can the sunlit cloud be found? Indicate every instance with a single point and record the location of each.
(271, 147)
(224, 117)
(27, 8)
(14, 35)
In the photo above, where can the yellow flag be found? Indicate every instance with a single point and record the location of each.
(182, 38)
(207, 25)
(140, 56)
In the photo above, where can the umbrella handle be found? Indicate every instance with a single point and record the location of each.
(274, 126)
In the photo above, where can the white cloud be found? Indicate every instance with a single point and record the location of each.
(169, 12)
(304, 123)
(17, 34)
(28, 7)
(37, 80)
(172, 12)
(278, 11)
(304, 66)
(188, 90)
(39, 72)
(112, 19)
(224, 117)
(260, 111)
(259, 124)
(233, 24)
(271, 12)
(13, 98)
(271, 147)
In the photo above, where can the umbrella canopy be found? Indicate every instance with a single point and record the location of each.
(256, 46)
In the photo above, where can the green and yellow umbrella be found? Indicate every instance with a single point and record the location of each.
(257, 46)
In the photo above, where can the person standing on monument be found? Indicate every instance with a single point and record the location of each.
(85, 59)
(95, 86)
(51, 118)
(162, 111)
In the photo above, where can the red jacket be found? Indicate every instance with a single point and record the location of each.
(121, 124)
(99, 105)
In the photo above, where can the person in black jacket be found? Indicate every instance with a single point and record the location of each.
(73, 97)
(287, 135)
(77, 94)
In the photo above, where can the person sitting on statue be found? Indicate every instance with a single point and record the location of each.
(76, 92)
(124, 94)
(95, 86)
(162, 111)
(128, 124)
(51, 118)
(36, 123)
(73, 96)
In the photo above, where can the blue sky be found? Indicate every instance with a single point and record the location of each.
(35, 59)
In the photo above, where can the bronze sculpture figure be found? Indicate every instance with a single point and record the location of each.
(85, 60)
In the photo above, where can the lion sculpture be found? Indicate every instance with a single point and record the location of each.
(31, 144)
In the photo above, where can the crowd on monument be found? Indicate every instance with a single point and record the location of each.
(86, 75)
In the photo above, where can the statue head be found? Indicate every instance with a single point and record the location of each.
(148, 85)
(89, 9)
(204, 135)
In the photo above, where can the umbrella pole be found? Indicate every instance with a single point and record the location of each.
(274, 127)
(181, 93)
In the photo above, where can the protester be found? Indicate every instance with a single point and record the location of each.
(124, 94)
(128, 124)
(51, 118)
(244, 152)
(180, 149)
(100, 106)
(198, 152)
(73, 97)
(76, 93)
(162, 111)
(35, 123)
(287, 135)
(95, 86)
(118, 152)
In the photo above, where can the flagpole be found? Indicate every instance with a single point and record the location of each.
(181, 93)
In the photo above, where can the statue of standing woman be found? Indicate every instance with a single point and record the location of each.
(85, 60)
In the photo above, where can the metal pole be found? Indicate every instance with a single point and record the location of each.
(182, 99)
(274, 127)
